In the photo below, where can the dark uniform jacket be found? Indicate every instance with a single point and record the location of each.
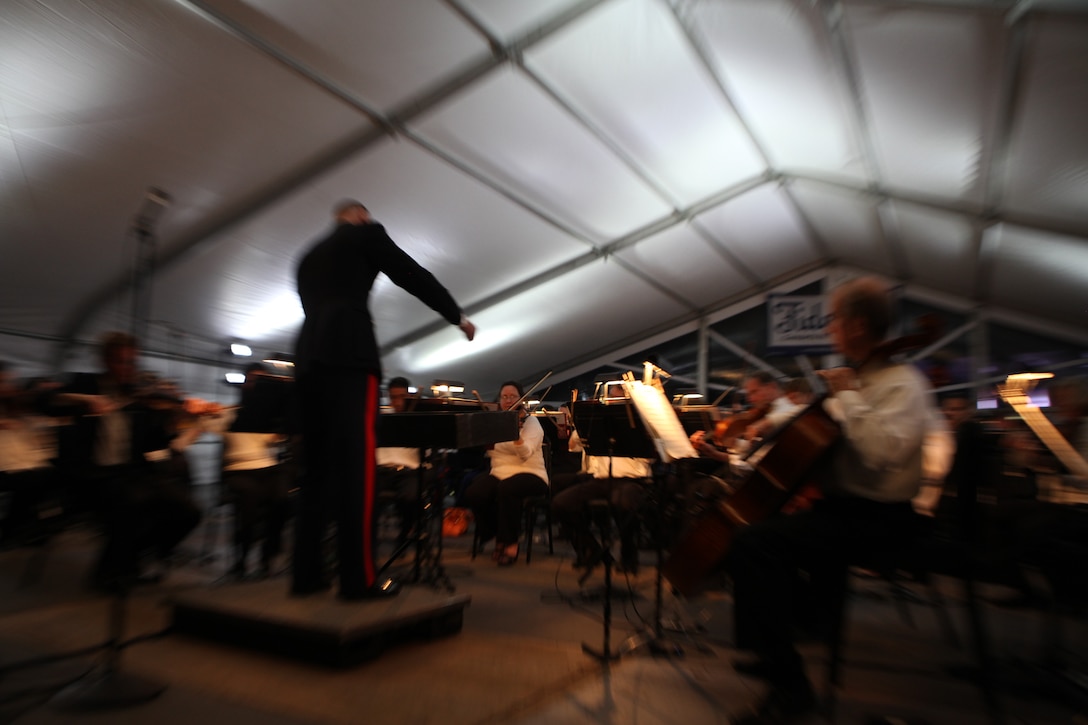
(334, 281)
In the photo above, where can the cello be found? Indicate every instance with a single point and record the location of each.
(797, 453)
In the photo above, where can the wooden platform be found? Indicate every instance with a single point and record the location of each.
(320, 627)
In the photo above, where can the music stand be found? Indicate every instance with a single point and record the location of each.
(428, 535)
(698, 417)
(671, 443)
(613, 430)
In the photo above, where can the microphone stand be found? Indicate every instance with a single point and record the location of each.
(110, 687)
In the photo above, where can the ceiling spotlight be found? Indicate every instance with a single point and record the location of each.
(235, 378)
(240, 350)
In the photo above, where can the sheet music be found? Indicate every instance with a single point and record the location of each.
(661, 421)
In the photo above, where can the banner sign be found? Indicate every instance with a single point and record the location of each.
(797, 324)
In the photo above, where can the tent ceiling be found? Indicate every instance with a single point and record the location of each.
(578, 173)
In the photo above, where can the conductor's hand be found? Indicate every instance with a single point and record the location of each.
(467, 327)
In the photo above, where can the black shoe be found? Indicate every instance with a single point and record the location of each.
(381, 590)
(307, 588)
(782, 705)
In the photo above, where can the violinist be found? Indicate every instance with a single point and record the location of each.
(119, 449)
(255, 471)
(884, 409)
(517, 471)
(768, 409)
(772, 408)
(27, 446)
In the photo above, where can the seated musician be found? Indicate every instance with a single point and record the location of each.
(616, 479)
(517, 471)
(27, 446)
(120, 451)
(883, 408)
(398, 468)
(769, 408)
(254, 473)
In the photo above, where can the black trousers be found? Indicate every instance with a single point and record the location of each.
(143, 509)
(625, 495)
(261, 509)
(402, 484)
(767, 557)
(1050, 536)
(339, 408)
(28, 491)
(497, 505)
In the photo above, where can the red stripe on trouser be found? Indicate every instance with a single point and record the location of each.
(370, 418)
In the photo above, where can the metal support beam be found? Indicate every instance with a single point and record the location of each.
(745, 355)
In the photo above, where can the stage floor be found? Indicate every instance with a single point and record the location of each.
(517, 658)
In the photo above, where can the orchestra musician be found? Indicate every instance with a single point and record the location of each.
(254, 471)
(338, 371)
(121, 450)
(398, 467)
(517, 472)
(27, 448)
(883, 409)
(769, 408)
(617, 479)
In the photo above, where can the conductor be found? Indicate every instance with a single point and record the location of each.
(338, 371)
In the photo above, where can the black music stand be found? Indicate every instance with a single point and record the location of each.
(425, 536)
(613, 430)
(698, 417)
(428, 536)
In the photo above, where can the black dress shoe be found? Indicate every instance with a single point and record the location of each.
(380, 590)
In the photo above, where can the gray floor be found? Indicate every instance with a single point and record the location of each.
(518, 659)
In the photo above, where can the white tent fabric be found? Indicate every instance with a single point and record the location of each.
(582, 175)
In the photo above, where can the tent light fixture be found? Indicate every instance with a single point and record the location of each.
(446, 388)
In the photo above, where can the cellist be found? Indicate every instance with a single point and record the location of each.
(883, 408)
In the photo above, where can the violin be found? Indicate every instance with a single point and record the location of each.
(727, 431)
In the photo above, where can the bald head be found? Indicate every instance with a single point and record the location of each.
(350, 211)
